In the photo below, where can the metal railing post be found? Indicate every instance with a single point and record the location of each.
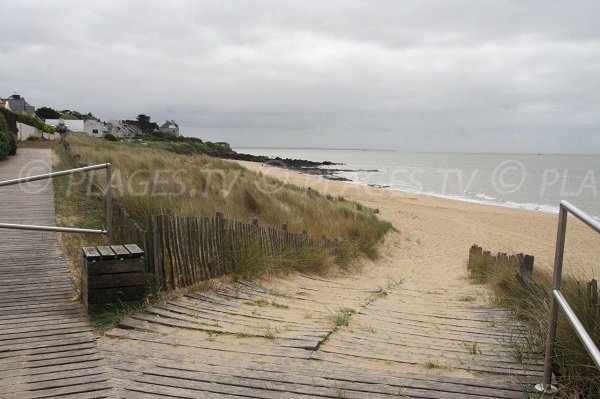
(109, 210)
(547, 386)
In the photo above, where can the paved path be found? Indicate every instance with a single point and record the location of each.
(46, 346)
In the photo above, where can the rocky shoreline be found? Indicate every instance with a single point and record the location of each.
(300, 165)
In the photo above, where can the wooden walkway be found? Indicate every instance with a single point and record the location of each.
(252, 342)
(46, 346)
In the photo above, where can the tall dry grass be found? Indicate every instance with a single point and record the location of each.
(75, 209)
(577, 375)
(196, 185)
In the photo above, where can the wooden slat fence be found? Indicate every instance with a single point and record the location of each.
(187, 250)
(523, 265)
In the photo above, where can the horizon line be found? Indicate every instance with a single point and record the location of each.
(415, 151)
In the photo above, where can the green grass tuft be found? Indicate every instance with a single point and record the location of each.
(341, 317)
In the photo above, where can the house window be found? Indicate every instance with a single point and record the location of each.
(95, 131)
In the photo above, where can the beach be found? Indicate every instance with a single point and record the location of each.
(431, 248)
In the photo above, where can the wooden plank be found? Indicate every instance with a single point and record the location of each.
(120, 251)
(155, 235)
(91, 253)
(134, 249)
(117, 280)
(168, 256)
(106, 252)
(116, 266)
(106, 295)
(205, 257)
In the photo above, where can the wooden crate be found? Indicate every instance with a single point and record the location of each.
(112, 274)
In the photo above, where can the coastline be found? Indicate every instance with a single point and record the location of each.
(436, 232)
(520, 181)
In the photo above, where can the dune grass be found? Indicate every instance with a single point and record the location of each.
(148, 180)
(576, 373)
(75, 209)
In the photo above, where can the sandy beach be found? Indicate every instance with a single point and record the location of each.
(436, 233)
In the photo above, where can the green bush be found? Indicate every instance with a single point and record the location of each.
(182, 148)
(12, 142)
(33, 121)
(34, 138)
(3, 125)
(110, 137)
(4, 146)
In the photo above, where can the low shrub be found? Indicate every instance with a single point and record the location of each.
(3, 148)
(110, 137)
(32, 120)
(8, 144)
(3, 125)
(12, 142)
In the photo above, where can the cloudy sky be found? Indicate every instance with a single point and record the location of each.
(501, 76)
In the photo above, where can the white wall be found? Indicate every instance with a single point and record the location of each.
(72, 125)
(24, 131)
(91, 125)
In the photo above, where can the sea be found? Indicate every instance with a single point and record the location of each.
(535, 182)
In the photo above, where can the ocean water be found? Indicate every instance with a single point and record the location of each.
(528, 181)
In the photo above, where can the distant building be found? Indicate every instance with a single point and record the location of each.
(122, 129)
(170, 127)
(2, 103)
(93, 127)
(17, 104)
(73, 125)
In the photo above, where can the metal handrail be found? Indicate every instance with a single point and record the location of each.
(107, 232)
(558, 299)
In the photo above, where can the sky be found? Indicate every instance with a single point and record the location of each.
(414, 75)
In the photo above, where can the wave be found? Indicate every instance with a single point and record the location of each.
(470, 197)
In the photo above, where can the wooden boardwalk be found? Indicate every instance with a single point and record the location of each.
(248, 341)
(46, 346)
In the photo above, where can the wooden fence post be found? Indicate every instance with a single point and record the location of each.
(593, 295)
(475, 253)
(220, 241)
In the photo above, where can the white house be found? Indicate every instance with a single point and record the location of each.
(93, 127)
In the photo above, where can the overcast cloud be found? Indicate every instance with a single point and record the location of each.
(509, 76)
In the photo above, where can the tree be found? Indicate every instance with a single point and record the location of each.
(47, 113)
(143, 122)
(68, 114)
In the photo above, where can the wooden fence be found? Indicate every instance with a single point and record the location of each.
(521, 262)
(523, 265)
(181, 251)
